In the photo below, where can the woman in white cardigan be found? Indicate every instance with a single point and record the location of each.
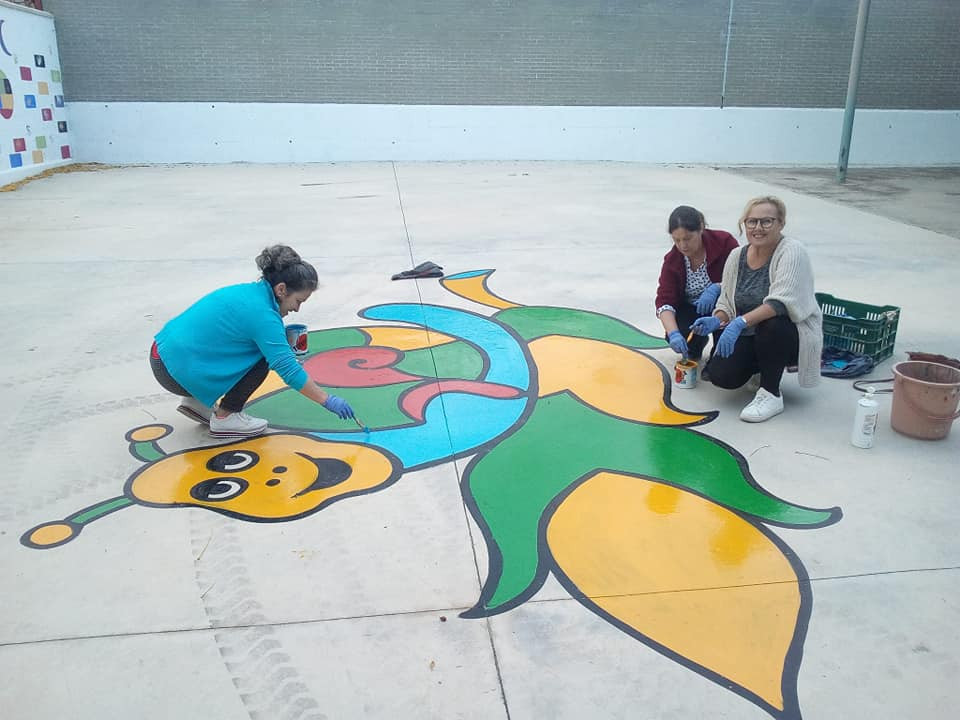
(768, 312)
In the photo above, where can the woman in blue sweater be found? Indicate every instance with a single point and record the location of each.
(223, 346)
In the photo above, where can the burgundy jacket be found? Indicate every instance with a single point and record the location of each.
(673, 274)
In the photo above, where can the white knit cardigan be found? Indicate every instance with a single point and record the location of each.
(791, 282)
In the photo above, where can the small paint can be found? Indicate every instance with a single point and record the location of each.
(685, 374)
(297, 337)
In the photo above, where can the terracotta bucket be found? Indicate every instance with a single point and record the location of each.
(925, 399)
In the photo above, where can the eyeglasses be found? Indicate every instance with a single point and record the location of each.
(766, 223)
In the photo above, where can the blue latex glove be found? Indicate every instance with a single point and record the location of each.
(705, 325)
(708, 299)
(729, 337)
(339, 407)
(678, 344)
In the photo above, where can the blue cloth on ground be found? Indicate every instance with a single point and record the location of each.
(844, 363)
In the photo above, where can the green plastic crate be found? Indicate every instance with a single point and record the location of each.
(865, 329)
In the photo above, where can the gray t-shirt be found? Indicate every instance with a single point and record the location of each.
(752, 287)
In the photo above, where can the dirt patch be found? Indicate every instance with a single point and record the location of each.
(72, 168)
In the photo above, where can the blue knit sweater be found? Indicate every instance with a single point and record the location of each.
(212, 344)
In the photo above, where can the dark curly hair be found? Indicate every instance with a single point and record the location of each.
(282, 264)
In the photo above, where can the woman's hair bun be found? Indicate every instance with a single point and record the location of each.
(282, 264)
(276, 258)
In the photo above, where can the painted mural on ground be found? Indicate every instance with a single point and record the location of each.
(580, 466)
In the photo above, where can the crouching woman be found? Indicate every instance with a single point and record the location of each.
(767, 311)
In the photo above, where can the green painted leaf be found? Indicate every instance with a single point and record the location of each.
(512, 485)
(377, 408)
(453, 360)
(320, 340)
(533, 322)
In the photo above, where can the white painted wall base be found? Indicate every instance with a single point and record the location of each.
(280, 132)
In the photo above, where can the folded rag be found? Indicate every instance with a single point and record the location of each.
(838, 363)
(423, 270)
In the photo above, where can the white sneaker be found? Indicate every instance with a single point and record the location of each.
(763, 407)
(195, 410)
(753, 384)
(237, 424)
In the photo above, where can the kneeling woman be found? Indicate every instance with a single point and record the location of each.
(223, 346)
(767, 310)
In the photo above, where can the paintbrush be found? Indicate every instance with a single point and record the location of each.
(361, 425)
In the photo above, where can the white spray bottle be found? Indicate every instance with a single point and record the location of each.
(865, 421)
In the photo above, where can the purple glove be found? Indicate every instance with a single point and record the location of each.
(705, 325)
(708, 299)
(339, 407)
(729, 337)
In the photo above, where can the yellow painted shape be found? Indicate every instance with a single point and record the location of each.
(37, 156)
(402, 338)
(51, 534)
(271, 383)
(169, 480)
(43, 88)
(6, 101)
(148, 433)
(609, 377)
(683, 571)
(472, 288)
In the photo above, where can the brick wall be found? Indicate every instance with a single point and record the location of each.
(783, 53)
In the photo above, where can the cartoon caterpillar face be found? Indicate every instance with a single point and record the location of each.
(274, 477)
(271, 478)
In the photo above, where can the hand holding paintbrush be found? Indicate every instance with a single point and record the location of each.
(361, 425)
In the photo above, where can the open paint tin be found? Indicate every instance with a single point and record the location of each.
(297, 337)
(685, 374)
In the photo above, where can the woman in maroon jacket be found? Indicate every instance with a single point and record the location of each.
(690, 278)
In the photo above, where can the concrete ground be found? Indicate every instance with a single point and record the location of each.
(650, 594)
(922, 197)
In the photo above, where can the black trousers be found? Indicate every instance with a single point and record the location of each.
(768, 352)
(235, 398)
(685, 314)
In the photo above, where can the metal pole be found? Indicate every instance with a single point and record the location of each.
(726, 56)
(852, 83)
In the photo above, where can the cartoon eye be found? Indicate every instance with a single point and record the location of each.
(233, 461)
(218, 489)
